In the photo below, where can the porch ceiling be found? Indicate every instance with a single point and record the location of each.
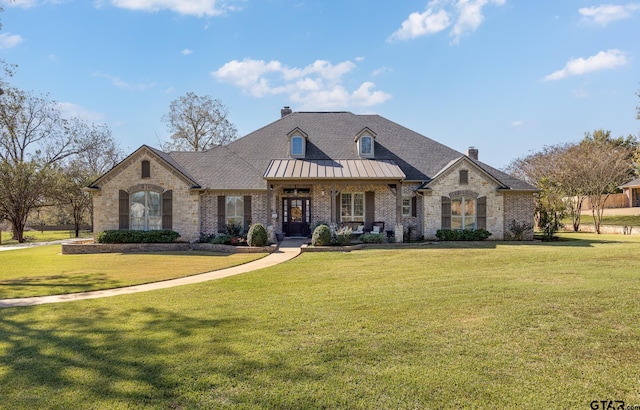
(333, 169)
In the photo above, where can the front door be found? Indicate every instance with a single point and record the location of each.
(296, 216)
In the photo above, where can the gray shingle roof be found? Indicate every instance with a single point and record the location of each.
(242, 163)
(633, 183)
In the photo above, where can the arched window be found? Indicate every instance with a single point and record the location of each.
(145, 210)
(463, 213)
(366, 145)
(365, 141)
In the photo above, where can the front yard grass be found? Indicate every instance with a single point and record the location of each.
(498, 325)
(43, 236)
(617, 220)
(43, 270)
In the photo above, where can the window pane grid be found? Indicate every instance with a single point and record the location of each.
(352, 205)
(463, 213)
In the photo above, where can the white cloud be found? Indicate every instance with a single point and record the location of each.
(422, 24)
(25, 4)
(186, 52)
(517, 123)
(9, 40)
(70, 110)
(604, 60)
(120, 83)
(186, 7)
(470, 16)
(316, 86)
(606, 13)
(465, 15)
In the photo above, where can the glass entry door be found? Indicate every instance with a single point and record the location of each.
(296, 216)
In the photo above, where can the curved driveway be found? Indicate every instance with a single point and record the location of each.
(288, 249)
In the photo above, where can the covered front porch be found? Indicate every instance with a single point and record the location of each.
(304, 193)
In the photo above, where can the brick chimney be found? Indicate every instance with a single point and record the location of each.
(285, 111)
(472, 153)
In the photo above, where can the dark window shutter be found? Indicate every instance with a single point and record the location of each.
(464, 176)
(446, 212)
(123, 208)
(146, 169)
(414, 206)
(369, 210)
(481, 212)
(338, 209)
(167, 209)
(247, 212)
(222, 202)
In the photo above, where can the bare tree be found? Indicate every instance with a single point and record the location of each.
(33, 139)
(100, 154)
(197, 123)
(608, 166)
(555, 172)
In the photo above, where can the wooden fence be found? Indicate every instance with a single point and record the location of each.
(613, 201)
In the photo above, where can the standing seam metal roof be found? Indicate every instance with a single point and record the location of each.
(333, 169)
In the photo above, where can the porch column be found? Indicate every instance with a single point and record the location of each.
(334, 211)
(271, 231)
(399, 228)
(269, 209)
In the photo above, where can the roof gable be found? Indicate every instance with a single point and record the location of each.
(162, 158)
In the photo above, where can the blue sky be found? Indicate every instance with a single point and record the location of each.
(505, 76)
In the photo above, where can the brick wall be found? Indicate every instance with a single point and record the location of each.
(209, 208)
(518, 206)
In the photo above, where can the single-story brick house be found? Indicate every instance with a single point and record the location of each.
(631, 191)
(306, 167)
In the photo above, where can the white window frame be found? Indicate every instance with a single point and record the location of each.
(234, 210)
(466, 220)
(145, 215)
(355, 211)
(406, 206)
(301, 153)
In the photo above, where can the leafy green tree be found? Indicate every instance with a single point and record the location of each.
(34, 140)
(197, 123)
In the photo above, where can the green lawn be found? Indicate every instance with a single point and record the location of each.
(43, 236)
(500, 325)
(43, 270)
(620, 220)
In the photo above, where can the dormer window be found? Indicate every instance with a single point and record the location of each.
(366, 146)
(297, 146)
(297, 143)
(365, 142)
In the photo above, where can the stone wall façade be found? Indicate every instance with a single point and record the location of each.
(478, 184)
(127, 176)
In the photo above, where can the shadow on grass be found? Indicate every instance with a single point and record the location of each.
(12, 288)
(75, 361)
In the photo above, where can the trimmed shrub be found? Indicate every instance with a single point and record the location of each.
(156, 236)
(462, 234)
(257, 235)
(221, 239)
(321, 236)
(372, 238)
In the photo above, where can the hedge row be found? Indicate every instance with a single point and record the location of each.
(157, 236)
(462, 234)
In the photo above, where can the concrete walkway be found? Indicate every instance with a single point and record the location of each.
(288, 249)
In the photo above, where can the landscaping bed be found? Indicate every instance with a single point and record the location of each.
(86, 248)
